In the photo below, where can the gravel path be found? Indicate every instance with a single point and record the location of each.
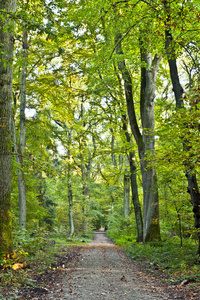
(103, 271)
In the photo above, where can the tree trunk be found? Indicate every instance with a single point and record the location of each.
(7, 46)
(126, 194)
(134, 188)
(70, 195)
(70, 199)
(133, 177)
(145, 142)
(21, 178)
(135, 197)
(193, 188)
(85, 194)
(85, 170)
(151, 229)
(126, 191)
(112, 148)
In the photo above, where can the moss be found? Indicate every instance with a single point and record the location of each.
(154, 232)
(6, 246)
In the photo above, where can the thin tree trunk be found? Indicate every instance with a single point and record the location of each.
(6, 71)
(193, 188)
(85, 174)
(134, 188)
(21, 178)
(70, 200)
(85, 194)
(135, 198)
(70, 195)
(112, 148)
(126, 193)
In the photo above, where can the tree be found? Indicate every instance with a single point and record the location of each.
(126, 203)
(145, 141)
(134, 185)
(117, 19)
(19, 147)
(6, 56)
(178, 90)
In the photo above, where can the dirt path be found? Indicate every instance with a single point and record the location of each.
(103, 271)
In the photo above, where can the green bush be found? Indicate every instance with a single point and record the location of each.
(28, 243)
(121, 230)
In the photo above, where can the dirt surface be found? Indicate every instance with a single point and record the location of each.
(105, 272)
(101, 270)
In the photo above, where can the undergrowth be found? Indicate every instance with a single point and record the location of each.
(174, 262)
(34, 253)
(177, 263)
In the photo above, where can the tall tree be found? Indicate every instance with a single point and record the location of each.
(6, 56)
(21, 178)
(145, 141)
(134, 185)
(178, 90)
(19, 147)
(126, 204)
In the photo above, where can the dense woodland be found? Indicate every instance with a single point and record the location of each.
(100, 119)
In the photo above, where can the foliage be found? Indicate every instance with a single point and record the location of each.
(167, 256)
(121, 230)
(73, 86)
(35, 253)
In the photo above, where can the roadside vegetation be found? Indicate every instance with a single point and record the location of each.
(35, 255)
(168, 259)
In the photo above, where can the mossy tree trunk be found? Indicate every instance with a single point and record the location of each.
(6, 56)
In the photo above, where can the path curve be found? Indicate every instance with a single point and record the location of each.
(103, 271)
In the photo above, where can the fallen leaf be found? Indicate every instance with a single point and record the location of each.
(18, 266)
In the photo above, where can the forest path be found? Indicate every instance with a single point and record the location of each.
(103, 271)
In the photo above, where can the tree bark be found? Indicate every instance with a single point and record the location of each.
(85, 194)
(145, 141)
(85, 173)
(70, 195)
(193, 188)
(70, 200)
(151, 227)
(126, 190)
(134, 188)
(22, 141)
(112, 148)
(135, 197)
(20, 176)
(6, 71)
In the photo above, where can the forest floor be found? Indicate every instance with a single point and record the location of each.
(100, 270)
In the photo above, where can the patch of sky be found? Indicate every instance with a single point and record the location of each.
(100, 38)
(61, 149)
(30, 112)
(78, 46)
